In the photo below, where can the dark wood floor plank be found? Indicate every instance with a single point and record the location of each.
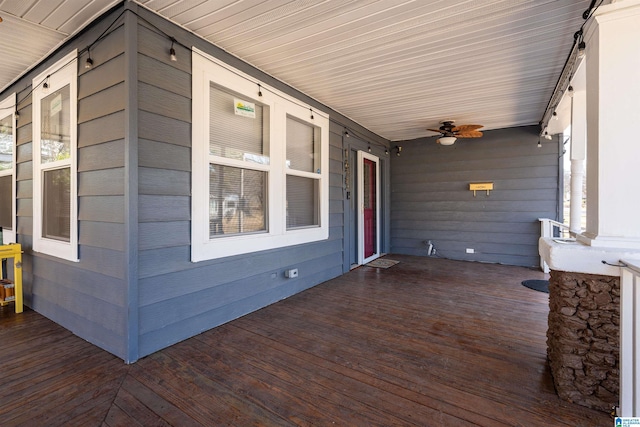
(299, 396)
(428, 342)
(117, 417)
(165, 409)
(390, 370)
(319, 377)
(136, 413)
(196, 393)
(59, 398)
(283, 399)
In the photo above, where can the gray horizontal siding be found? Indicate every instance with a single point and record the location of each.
(214, 296)
(154, 127)
(193, 324)
(24, 189)
(108, 155)
(162, 155)
(153, 99)
(155, 208)
(86, 297)
(108, 73)
(179, 298)
(106, 235)
(101, 208)
(24, 135)
(431, 198)
(158, 286)
(102, 103)
(164, 182)
(24, 170)
(24, 181)
(108, 127)
(101, 182)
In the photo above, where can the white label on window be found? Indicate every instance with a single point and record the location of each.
(244, 108)
(56, 105)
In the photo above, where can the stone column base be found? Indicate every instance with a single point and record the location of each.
(583, 338)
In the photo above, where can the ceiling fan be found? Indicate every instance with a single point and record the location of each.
(449, 132)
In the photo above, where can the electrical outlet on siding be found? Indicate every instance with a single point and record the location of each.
(471, 251)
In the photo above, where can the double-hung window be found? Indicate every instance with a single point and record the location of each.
(260, 165)
(7, 169)
(55, 230)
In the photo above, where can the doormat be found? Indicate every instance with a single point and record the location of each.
(382, 263)
(537, 285)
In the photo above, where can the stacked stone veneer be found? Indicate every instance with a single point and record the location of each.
(583, 337)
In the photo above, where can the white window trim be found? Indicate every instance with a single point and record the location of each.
(208, 69)
(62, 73)
(9, 104)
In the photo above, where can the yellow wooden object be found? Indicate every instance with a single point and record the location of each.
(480, 186)
(14, 251)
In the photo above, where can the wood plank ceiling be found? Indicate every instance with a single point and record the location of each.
(396, 67)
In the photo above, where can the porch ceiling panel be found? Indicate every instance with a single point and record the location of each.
(395, 66)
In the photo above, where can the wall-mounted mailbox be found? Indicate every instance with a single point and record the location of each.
(480, 186)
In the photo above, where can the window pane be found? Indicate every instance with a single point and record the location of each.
(238, 129)
(6, 200)
(301, 152)
(237, 200)
(302, 202)
(6, 143)
(55, 132)
(56, 201)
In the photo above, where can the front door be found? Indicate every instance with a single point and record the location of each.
(368, 204)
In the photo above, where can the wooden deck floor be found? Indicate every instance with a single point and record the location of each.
(427, 342)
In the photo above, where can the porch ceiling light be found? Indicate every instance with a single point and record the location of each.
(447, 140)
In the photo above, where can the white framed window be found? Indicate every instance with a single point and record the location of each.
(7, 169)
(260, 165)
(55, 217)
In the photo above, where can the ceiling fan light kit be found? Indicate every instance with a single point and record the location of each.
(449, 133)
(447, 140)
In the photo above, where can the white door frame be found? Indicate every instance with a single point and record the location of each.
(361, 157)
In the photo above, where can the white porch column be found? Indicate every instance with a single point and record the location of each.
(578, 151)
(613, 111)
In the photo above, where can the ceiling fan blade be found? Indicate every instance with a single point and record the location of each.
(469, 134)
(435, 130)
(465, 128)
